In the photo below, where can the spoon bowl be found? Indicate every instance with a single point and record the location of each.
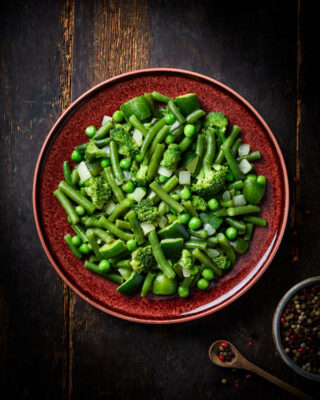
(237, 360)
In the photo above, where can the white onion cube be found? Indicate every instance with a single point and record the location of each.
(147, 227)
(137, 137)
(226, 196)
(127, 175)
(239, 200)
(138, 194)
(165, 172)
(212, 253)
(110, 206)
(105, 119)
(210, 229)
(184, 178)
(83, 171)
(245, 166)
(244, 150)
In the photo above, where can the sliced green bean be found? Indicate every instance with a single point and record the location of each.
(151, 135)
(204, 259)
(123, 264)
(76, 197)
(249, 231)
(153, 108)
(221, 213)
(160, 136)
(227, 203)
(68, 207)
(120, 209)
(79, 230)
(117, 191)
(163, 263)
(73, 248)
(200, 152)
(147, 283)
(212, 240)
(160, 97)
(92, 221)
(211, 148)
(174, 109)
(236, 185)
(226, 247)
(114, 158)
(228, 144)
(123, 225)
(102, 132)
(242, 210)
(104, 223)
(255, 155)
(185, 143)
(138, 125)
(135, 227)
(155, 160)
(255, 220)
(232, 162)
(196, 244)
(116, 278)
(235, 147)
(200, 233)
(67, 174)
(194, 116)
(102, 234)
(163, 195)
(238, 225)
(75, 177)
(92, 240)
(167, 187)
(178, 134)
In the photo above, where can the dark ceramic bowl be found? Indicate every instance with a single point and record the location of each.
(52, 223)
(276, 328)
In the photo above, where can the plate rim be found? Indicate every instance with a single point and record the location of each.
(97, 88)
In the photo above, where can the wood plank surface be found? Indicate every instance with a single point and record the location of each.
(55, 345)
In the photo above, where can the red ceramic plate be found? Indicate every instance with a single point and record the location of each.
(52, 223)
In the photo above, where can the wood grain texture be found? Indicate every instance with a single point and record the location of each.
(54, 344)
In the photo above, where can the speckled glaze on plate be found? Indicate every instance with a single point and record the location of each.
(52, 223)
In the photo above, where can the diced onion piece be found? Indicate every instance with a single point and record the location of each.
(212, 253)
(107, 150)
(83, 171)
(147, 227)
(184, 178)
(239, 200)
(106, 118)
(137, 137)
(138, 194)
(244, 149)
(163, 222)
(226, 196)
(245, 166)
(185, 272)
(110, 206)
(210, 229)
(127, 175)
(165, 172)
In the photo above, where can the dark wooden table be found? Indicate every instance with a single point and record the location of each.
(53, 344)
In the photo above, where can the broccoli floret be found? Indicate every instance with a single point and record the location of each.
(127, 146)
(146, 212)
(99, 191)
(217, 120)
(220, 261)
(210, 181)
(199, 203)
(171, 218)
(142, 260)
(171, 156)
(186, 263)
(92, 151)
(140, 178)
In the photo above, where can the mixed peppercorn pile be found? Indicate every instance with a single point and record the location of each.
(224, 352)
(300, 328)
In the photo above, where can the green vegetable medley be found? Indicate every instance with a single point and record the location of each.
(162, 199)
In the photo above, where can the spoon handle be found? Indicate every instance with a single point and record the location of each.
(278, 382)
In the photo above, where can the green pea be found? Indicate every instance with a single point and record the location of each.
(169, 138)
(261, 179)
(229, 176)
(175, 196)
(131, 244)
(80, 210)
(184, 218)
(169, 118)
(69, 220)
(231, 233)
(76, 240)
(183, 292)
(84, 248)
(185, 194)
(125, 163)
(194, 223)
(207, 274)
(251, 176)
(203, 284)
(104, 266)
(139, 157)
(128, 187)
(189, 130)
(76, 156)
(117, 116)
(90, 131)
(163, 179)
(105, 162)
(213, 204)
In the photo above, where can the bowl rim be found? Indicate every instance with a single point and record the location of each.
(197, 76)
(276, 327)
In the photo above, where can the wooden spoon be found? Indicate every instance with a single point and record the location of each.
(238, 361)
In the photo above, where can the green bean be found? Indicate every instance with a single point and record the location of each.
(75, 177)
(135, 227)
(78, 230)
(123, 264)
(109, 275)
(76, 197)
(204, 259)
(227, 143)
(174, 126)
(194, 116)
(103, 235)
(175, 111)
(226, 247)
(186, 283)
(227, 203)
(200, 151)
(114, 157)
(151, 135)
(255, 155)
(185, 143)
(238, 225)
(236, 185)
(232, 163)
(155, 160)
(138, 125)
(196, 244)
(160, 136)
(153, 108)
(160, 97)
(178, 133)
(102, 132)
(255, 220)
(120, 208)
(221, 213)
(200, 233)
(93, 258)
(104, 223)
(123, 225)
(250, 208)
(92, 240)
(163, 264)
(235, 147)
(73, 248)
(162, 208)
(189, 207)
(172, 203)
(67, 174)
(117, 191)
(212, 240)
(249, 232)
(68, 207)
(92, 221)
(147, 283)
(211, 148)
(167, 187)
